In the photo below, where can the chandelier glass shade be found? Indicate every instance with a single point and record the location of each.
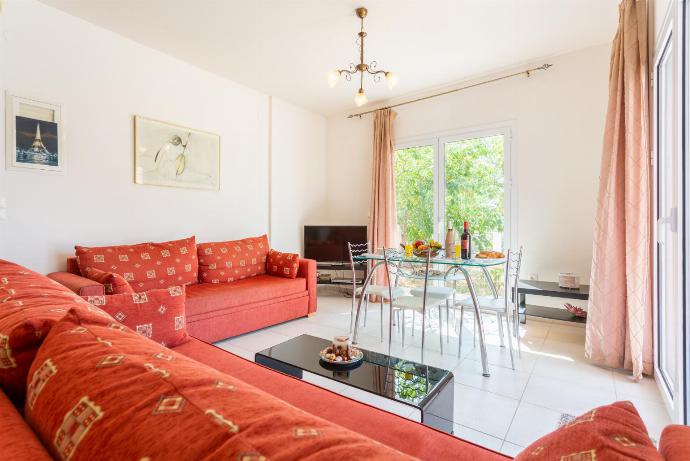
(362, 67)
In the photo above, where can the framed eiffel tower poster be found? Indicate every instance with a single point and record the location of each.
(33, 135)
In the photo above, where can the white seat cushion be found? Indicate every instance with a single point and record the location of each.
(415, 302)
(382, 290)
(443, 292)
(488, 303)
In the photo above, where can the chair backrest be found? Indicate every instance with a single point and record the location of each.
(512, 275)
(356, 249)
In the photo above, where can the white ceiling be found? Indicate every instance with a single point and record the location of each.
(286, 47)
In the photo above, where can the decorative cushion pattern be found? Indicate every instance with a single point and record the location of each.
(113, 283)
(282, 264)
(156, 314)
(100, 392)
(613, 432)
(233, 260)
(145, 265)
(30, 304)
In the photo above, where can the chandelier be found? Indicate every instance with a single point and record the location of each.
(362, 67)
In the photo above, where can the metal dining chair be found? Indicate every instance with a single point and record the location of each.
(384, 292)
(423, 304)
(504, 308)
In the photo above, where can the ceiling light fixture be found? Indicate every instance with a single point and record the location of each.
(362, 67)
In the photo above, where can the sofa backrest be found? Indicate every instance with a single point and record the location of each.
(145, 266)
(30, 304)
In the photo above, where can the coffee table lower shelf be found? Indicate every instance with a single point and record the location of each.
(300, 354)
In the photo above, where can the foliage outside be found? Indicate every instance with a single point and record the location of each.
(473, 187)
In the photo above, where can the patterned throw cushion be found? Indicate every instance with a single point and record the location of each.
(30, 304)
(613, 431)
(145, 265)
(113, 283)
(236, 259)
(156, 314)
(99, 391)
(282, 264)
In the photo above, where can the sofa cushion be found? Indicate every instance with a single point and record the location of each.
(232, 260)
(156, 314)
(282, 264)
(404, 434)
(29, 306)
(208, 297)
(98, 392)
(18, 441)
(113, 283)
(145, 265)
(613, 431)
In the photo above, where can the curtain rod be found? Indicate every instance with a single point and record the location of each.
(455, 90)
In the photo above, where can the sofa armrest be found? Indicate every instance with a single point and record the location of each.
(674, 444)
(78, 284)
(307, 270)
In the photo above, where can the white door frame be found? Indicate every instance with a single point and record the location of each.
(673, 398)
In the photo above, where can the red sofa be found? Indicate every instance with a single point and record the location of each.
(33, 312)
(215, 311)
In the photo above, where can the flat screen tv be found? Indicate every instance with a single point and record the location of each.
(329, 243)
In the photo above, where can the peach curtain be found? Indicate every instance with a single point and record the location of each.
(619, 325)
(383, 218)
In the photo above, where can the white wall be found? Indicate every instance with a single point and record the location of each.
(102, 80)
(557, 120)
(298, 179)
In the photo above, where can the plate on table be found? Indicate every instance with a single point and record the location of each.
(355, 358)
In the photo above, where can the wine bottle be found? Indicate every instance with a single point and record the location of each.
(450, 241)
(466, 242)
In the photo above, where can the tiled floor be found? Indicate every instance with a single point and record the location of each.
(505, 412)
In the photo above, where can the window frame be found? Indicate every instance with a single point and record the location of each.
(438, 140)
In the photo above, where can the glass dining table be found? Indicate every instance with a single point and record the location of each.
(450, 266)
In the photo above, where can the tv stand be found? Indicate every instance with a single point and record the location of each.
(341, 266)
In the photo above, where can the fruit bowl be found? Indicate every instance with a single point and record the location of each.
(421, 248)
(420, 253)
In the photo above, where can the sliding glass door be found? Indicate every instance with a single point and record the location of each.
(446, 180)
(668, 243)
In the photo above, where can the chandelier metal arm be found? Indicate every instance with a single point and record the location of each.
(362, 67)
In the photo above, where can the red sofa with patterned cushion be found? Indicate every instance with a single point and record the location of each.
(227, 294)
(97, 390)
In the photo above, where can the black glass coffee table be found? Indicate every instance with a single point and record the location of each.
(426, 388)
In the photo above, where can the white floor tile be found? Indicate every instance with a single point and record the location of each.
(530, 423)
(483, 411)
(479, 438)
(230, 347)
(570, 370)
(627, 387)
(504, 412)
(258, 340)
(573, 397)
(503, 381)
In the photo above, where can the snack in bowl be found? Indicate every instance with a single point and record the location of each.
(341, 354)
(490, 255)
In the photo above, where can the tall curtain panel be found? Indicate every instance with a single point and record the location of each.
(619, 325)
(383, 217)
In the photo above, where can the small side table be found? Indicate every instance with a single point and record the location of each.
(550, 289)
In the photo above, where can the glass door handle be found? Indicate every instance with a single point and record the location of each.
(671, 219)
